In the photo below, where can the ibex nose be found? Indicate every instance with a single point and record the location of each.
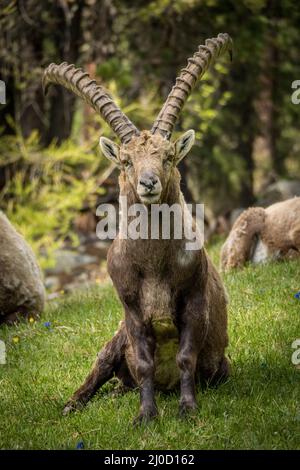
(148, 180)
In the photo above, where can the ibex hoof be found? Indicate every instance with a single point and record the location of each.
(187, 408)
(144, 417)
(70, 407)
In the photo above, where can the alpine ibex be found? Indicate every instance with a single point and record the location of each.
(173, 298)
(261, 234)
(22, 292)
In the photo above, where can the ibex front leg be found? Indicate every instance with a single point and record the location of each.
(108, 362)
(143, 345)
(192, 333)
(141, 342)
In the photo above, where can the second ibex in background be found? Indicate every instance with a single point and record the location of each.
(174, 300)
(263, 234)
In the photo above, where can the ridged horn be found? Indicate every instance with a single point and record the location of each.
(80, 83)
(195, 69)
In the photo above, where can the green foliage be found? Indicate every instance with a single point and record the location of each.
(224, 107)
(136, 50)
(48, 188)
(258, 408)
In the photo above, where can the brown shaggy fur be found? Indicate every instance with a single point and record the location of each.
(173, 299)
(276, 229)
(21, 287)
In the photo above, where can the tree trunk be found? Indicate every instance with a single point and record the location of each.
(63, 101)
(266, 103)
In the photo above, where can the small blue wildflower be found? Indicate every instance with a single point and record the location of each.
(80, 445)
(47, 324)
(297, 295)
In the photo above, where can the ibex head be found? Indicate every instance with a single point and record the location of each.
(147, 158)
(147, 161)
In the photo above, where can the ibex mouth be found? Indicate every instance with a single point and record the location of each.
(149, 188)
(150, 198)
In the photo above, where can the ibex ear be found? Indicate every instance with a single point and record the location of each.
(183, 145)
(110, 150)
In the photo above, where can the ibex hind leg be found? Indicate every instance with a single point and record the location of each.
(213, 373)
(110, 362)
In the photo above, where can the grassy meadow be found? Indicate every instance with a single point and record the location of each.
(258, 408)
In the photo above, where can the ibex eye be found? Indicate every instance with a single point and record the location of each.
(128, 164)
(168, 160)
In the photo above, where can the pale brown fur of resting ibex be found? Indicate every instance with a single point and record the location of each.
(175, 327)
(22, 292)
(262, 234)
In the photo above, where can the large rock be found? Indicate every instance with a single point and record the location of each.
(22, 291)
(279, 191)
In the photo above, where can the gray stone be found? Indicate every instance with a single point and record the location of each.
(66, 261)
(279, 191)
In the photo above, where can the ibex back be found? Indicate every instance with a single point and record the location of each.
(175, 327)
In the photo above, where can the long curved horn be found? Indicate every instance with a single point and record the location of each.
(195, 69)
(80, 83)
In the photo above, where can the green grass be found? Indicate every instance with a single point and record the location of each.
(258, 408)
